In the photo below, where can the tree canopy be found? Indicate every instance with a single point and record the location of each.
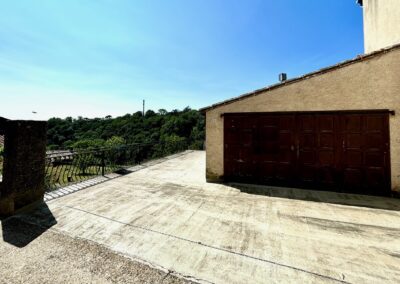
(186, 125)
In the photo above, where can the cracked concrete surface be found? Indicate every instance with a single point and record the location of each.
(38, 256)
(167, 215)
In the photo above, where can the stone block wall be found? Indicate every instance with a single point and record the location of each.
(24, 165)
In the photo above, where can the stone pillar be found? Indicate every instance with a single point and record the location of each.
(23, 182)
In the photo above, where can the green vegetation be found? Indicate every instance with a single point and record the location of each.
(170, 128)
(109, 144)
(84, 164)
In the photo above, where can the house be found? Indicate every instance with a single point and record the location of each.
(334, 129)
(381, 23)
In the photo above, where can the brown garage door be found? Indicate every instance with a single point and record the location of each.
(341, 151)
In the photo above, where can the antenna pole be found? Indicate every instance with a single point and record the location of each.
(143, 107)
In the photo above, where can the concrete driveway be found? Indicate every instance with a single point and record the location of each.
(167, 215)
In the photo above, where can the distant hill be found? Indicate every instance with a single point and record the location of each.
(186, 125)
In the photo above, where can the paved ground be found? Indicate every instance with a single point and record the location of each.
(31, 255)
(168, 216)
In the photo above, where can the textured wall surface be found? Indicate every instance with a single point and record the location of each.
(381, 24)
(373, 83)
(24, 165)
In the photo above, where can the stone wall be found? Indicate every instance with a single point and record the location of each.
(24, 165)
(372, 83)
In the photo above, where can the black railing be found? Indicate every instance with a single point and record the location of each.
(71, 166)
(1, 161)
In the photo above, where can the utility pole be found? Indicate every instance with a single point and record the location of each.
(143, 107)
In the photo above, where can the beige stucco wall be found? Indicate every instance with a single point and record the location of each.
(381, 24)
(370, 84)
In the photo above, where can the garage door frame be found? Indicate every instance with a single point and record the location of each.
(387, 166)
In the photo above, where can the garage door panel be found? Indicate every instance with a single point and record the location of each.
(374, 140)
(239, 151)
(326, 123)
(285, 139)
(246, 122)
(365, 147)
(353, 140)
(245, 154)
(232, 150)
(307, 123)
(352, 123)
(284, 172)
(327, 140)
(266, 171)
(326, 157)
(307, 173)
(327, 176)
(307, 157)
(285, 155)
(269, 148)
(307, 140)
(353, 178)
(241, 169)
(231, 155)
(234, 168)
(268, 120)
(233, 135)
(230, 121)
(268, 157)
(374, 123)
(341, 151)
(375, 178)
(374, 159)
(268, 133)
(247, 137)
(286, 123)
(353, 158)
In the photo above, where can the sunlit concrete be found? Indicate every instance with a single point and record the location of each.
(169, 216)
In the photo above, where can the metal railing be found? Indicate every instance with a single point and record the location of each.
(71, 166)
(1, 161)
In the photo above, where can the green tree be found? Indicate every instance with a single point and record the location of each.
(84, 133)
(162, 111)
(88, 144)
(173, 144)
(116, 151)
(86, 159)
(115, 141)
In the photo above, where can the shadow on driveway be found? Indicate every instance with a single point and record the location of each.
(377, 202)
(20, 230)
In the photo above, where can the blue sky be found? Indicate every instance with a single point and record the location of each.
(102, 57)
